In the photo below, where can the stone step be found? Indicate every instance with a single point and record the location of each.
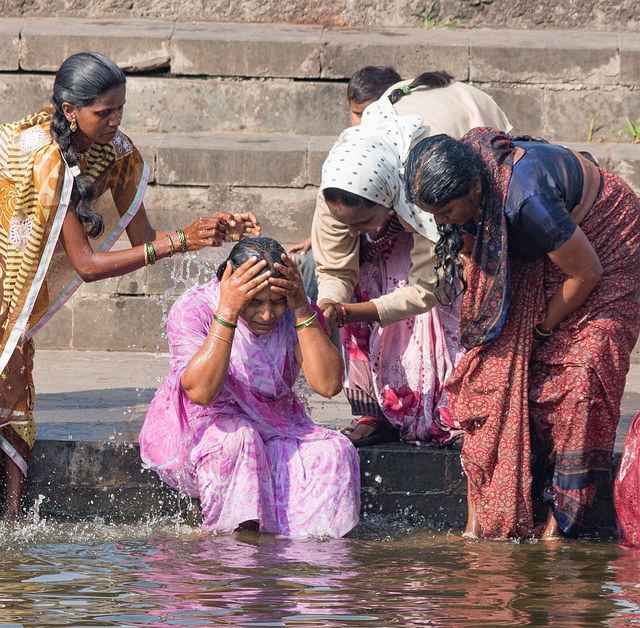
(240, 117)
(78, 480)
(291, 79)
(199, 174)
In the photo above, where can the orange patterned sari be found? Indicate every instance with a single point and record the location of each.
(37, 278)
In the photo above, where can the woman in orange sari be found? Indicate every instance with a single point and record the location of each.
(67, 174)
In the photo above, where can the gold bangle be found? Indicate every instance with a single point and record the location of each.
(223, 321)
(306, 323)
(543, 333)
(170, 245)
(146, 255)
(152, 252)
(223, 339)
(344, 315)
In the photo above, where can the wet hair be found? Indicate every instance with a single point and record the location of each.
(348, 199)
(441, 169)
(79, 81)
(263, 248)
(432, 80)
(370, 82)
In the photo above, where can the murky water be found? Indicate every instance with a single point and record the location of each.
(169, 574)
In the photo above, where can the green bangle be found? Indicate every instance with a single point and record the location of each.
(151, 252)
(224, 322)
(170, 245)
(306, 323)
(183, 241)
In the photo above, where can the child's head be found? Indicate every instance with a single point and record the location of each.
(366, 86)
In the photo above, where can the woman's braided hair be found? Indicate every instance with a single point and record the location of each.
(432, 80)
(79, 81)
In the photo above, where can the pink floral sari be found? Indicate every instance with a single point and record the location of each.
(397, 373)
(253, 453)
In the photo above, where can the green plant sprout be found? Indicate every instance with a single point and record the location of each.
(632, 129)
(430, 19)
(592, 129)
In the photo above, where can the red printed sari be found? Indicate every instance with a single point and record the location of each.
(563, 403)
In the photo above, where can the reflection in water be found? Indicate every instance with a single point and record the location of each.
(169, 574)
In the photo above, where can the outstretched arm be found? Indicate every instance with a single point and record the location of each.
(319, 359)
(93, 265)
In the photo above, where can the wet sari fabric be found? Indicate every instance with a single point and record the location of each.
(560, 405)
(253, 453)
(37, 278)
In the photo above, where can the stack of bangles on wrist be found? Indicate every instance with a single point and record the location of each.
(225, 323)
(306, 323)
(541, 334)
(150, 255)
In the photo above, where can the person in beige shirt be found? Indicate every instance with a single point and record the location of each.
(362, 227)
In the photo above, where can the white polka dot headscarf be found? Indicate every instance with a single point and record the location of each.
(368, 160)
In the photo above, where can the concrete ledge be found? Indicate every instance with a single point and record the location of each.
(246, 50)
(423, 486)
(137, 45)
(281, 50)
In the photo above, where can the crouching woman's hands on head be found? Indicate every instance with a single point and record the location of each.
(319, 359)
(207, 370)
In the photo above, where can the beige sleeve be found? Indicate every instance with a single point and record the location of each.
(336, 255)
(416, 296)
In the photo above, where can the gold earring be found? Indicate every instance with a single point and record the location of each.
(73, 125)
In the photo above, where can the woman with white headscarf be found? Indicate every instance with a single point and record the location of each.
(375, 262)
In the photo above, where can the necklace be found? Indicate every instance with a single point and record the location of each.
(83, 153)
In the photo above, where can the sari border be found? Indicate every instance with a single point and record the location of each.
(75, 283)
(12, 452)
(23, 318)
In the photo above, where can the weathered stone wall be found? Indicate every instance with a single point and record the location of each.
(240, 117)
(608, 15)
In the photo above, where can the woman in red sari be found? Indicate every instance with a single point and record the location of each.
(550, 314)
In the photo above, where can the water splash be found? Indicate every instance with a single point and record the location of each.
(190, 270)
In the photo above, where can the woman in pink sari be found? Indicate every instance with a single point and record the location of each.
(227, 427)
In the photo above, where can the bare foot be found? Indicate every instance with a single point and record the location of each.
(362, 431)
(552, 530)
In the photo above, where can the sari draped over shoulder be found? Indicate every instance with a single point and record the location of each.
(37, 278)
(280, 468)
(560, 405)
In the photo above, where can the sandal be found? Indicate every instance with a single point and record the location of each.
(383, 433)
